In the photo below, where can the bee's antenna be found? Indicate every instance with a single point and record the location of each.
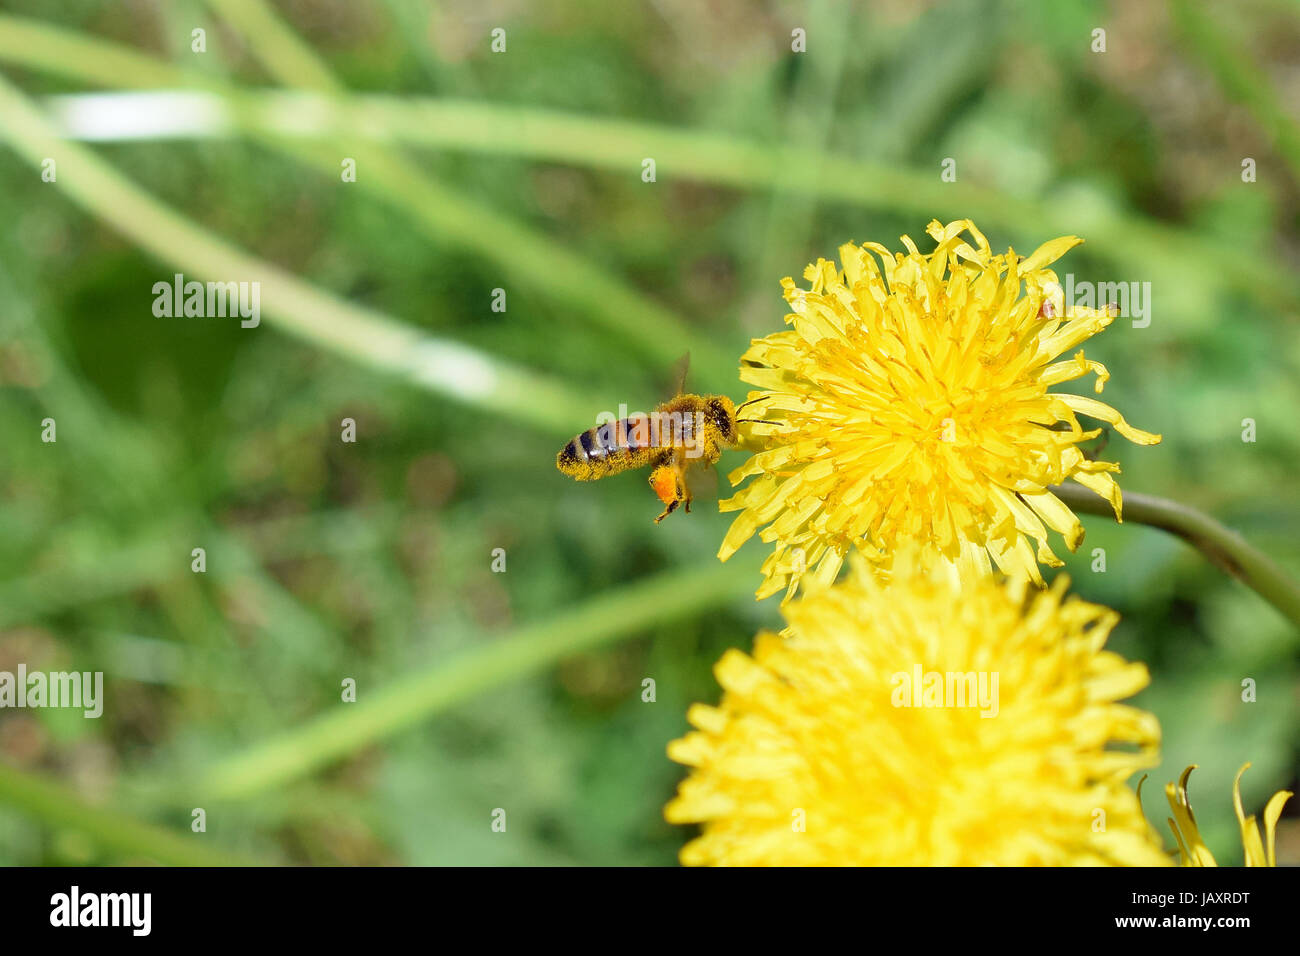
(750, 402)
(752, 421)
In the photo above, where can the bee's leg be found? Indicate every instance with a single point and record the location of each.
(664, 481)
(669, 482)
(683, 490)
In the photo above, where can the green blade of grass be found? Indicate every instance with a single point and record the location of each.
(437, 210)
(444, 213)
(615, 144)
(56, 807)
(727, 161)
(618, 613)
(1240, 77)
(440, 365)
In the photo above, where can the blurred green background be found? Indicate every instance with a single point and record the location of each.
(326, 560)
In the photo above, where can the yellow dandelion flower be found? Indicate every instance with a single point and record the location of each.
(922, 723)
(1192, 850)
(911, 401)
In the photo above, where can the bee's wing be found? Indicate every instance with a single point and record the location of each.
(680, 368)
(702, 482)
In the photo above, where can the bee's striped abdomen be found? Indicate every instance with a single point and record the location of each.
(608, 449)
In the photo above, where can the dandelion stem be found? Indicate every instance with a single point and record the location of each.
(1224, 548)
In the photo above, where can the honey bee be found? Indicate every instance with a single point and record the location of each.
(686, 430)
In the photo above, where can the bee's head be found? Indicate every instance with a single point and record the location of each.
(722, 414)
